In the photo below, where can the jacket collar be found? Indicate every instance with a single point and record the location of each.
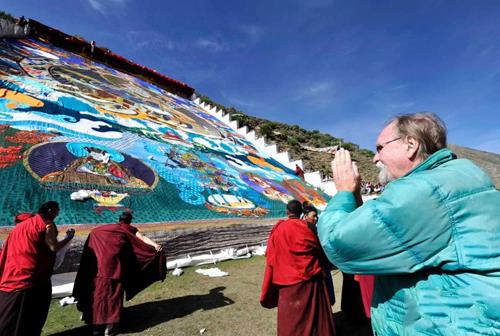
(433, 161)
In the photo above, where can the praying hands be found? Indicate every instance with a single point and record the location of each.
(345, 172)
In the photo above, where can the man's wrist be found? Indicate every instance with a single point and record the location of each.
(343, 188)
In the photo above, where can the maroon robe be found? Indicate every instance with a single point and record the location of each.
(294, 281)
(114, 261)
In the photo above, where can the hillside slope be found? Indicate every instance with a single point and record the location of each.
(490, 162)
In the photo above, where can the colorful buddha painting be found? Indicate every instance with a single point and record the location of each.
(88, 164)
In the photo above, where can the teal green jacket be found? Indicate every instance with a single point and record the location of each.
(432, 239)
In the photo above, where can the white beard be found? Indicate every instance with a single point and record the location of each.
(384, 176)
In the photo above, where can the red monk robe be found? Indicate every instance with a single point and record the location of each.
(294, 281)
(26, 264)
(114, 261)
(366, 284)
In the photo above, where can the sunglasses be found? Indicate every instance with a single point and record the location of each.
(381, 146)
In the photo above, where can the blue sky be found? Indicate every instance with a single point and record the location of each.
(342, 67)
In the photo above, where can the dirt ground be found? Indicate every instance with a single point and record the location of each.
(191, 303)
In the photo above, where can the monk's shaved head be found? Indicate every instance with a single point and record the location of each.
(126, 217)
(49, 210)
(294, 207)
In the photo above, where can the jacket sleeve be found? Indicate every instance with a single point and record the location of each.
(406, 229)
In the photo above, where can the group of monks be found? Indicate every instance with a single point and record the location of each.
(116, 260)
(298, 280)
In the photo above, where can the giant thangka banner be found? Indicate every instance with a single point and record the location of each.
(99, 141)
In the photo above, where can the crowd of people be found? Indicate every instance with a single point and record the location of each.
(423, 257)
(368, 188)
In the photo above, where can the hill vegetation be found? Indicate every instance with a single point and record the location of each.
(306, 145)
(7, 16)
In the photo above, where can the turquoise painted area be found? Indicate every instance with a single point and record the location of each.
(163, 204)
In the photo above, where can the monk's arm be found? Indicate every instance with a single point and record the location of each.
(148, 241)
(51, 238)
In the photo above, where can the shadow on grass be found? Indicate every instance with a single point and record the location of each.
(148, 314)
(145, 315)
(80, 331)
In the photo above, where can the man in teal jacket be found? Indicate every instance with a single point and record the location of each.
(432, 238)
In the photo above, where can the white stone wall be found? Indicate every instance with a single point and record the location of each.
(9, 29)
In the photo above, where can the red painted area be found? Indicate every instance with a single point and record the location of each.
(9, 155)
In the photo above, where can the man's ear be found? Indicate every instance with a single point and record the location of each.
(412, 148)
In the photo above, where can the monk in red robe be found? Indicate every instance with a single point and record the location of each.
(26, 263)
(294, 280)
(299, 172)
(116, 259)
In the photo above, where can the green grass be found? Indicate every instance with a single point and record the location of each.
(184, 305)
